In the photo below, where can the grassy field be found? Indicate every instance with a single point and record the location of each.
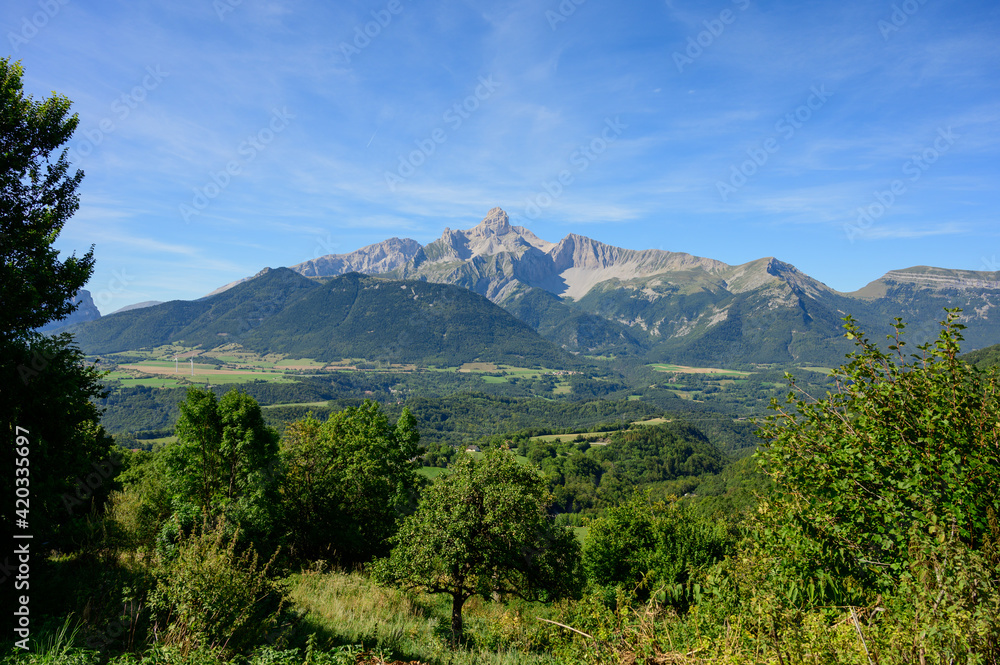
(684, 369)
(163, 373)
(275, 406)
(582, 534)
(568, 437)
(821, 370)
(247, 366)
(478, 367)
(348, 609)
(163, 440)
(129, 380)
(491, 368)
(431, 472)
(299, 363)
(653, 421)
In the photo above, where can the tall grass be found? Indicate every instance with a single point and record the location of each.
(347, 608)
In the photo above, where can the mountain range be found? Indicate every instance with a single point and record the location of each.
(348, 316)
(589, 297)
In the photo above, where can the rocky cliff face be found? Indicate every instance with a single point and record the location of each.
(374, 259)
(87, 311)
(592, 297)
(931, 279)
(496, 259)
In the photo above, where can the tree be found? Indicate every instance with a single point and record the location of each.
(483, 529)
(39, 196)
(886, 495)
(225, 460)
(48, 421)
(348, 481)
(46, 387)
(904, 447)
(653, 547)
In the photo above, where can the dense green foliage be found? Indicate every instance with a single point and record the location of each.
(56, 457)
(565, 324)
(346, 482)
(886, 497)
(484, 530)
(653, 549)
(984, 358)
(752, 331)
(907, 447)
(652, 454)
(474, 415)
(597, 471)
(213, 597)
(225, 461)
(38, 198)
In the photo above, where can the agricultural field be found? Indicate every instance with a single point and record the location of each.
(431, 472)
(173, 365)
(565, 438)
(305, 404)
(155, 373)
(822, 370)
(684, 369)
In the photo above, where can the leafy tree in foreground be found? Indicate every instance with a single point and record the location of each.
(38, 197)
(225, 460)
(55, 455)
(653, 547)
(903, 443)
(483, 529)
(45, 388)
(348, 481)
(887, 493)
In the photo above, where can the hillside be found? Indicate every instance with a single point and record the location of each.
(984, 358)
(350, 316)
(661, 306)
(584, 296)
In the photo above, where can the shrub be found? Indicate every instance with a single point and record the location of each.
(651, 548)
(212, 596)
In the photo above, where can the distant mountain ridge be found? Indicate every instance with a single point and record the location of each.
(348, 316)
(138, 305)
(591, 297)
(86, 311)
(660, 306)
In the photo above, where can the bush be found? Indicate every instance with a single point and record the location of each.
(653, 549)
(211, 596)
(886, 497)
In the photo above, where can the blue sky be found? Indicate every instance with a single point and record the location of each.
(847, 138)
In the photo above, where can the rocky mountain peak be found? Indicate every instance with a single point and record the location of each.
(496, 221)
(86, 311)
